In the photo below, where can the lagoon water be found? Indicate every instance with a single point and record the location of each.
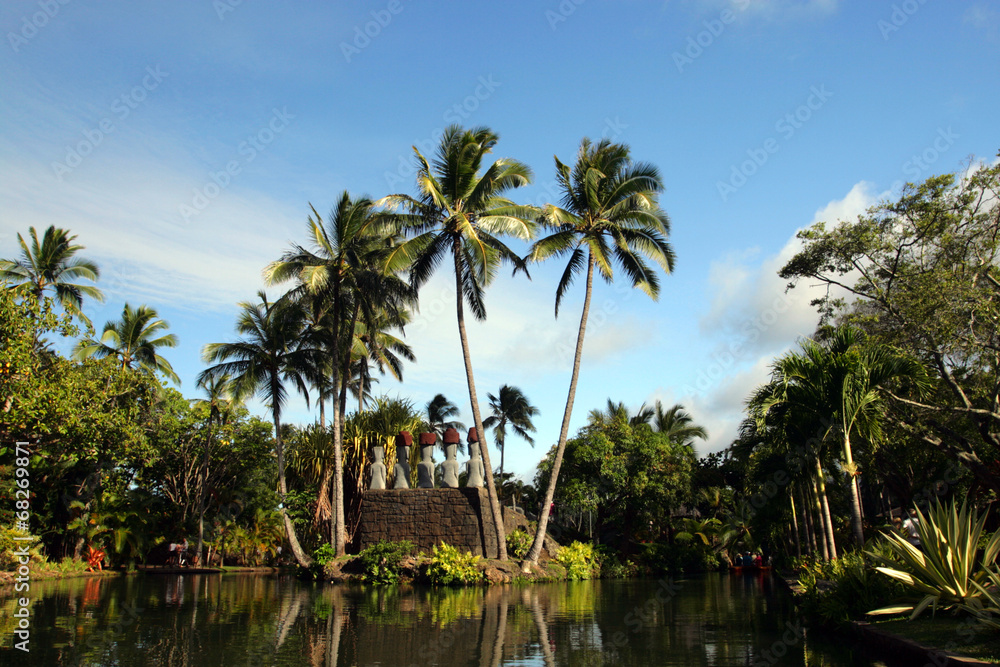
(250, 619)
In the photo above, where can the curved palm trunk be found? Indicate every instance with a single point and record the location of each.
(550, 492)
(300, 556)
(827, 517)
(491, 488)
(856, 520)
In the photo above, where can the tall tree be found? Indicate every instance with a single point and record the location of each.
(271, 352)
(50, 264)
(343, 265)
(921, 273)
(841, 382)
(461, 211)
(510, 407)
(610, 215)
(134, 340)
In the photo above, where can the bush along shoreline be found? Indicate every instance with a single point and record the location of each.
(386, 563)
(941, 596)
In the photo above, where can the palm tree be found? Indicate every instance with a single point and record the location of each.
(841, 381)
(678, 425)
(610, 215)
(271, 352)
(50, 264)
(134, 339)
(463, 212)
(344, 267)
(511, 407)
(439, 412)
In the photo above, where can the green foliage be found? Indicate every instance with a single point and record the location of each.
(324, 554)
(380, 562)
(449, 567)
(663, 558)
(9, 544)
(613, 566)
(845, 589)
(946, 570)
(627, 474)
(518, 543)
(579, 559)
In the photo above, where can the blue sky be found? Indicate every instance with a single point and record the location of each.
(183, 143)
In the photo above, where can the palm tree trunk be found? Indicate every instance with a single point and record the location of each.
(856, 525)
(818, 523)
(340, 514)
(491, 487)
(825, 502)
(543, 517)
(795, 526)
(303, 559)
(807, 522)
(338, 537)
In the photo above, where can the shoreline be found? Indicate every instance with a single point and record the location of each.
(885, 642)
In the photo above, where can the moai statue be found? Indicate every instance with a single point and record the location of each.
(378, 468)
(402, 469)
(477, 473)
(449, 468)
(425, 469)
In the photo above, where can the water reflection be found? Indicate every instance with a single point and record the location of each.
(260, 620)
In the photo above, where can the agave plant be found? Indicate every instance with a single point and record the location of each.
(944, 569)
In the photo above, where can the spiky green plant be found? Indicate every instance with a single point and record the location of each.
(945, 569)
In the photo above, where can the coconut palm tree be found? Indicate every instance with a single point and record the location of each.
(271, 352)
(134, 339)
(344, 267)
(439, 412)
(610, 216)
(462, 211)
(678, 425)
(51, 265)
(510, 407)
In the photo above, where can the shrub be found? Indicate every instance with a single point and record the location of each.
(612, 565)
(380, 562)
(518, 543)
(324, 554)
(9, 546)
(946, 571)
(448, 566)
(579, 560)
(661, 558)
(845, 589)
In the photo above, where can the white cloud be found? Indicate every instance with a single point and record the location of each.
(775, 9)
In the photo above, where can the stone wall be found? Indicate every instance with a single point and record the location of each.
(459, 517)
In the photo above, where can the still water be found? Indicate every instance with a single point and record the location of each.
(248, 619)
